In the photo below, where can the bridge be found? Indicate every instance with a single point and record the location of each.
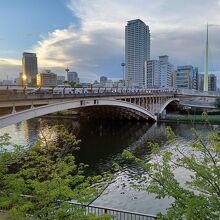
(139, 105)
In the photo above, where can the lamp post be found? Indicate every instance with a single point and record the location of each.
(23, 80)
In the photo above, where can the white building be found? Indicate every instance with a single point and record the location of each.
(137, 51)
(152, 74)
(109, 83)
(166, 69)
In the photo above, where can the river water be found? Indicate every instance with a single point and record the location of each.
(102, 144)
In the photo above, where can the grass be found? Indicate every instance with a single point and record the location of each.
(194, 118)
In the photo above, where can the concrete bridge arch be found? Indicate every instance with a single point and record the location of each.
(167, 103)
(122, 106)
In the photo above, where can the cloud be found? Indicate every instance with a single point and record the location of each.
(9, 62)
(96, 46)
(8, 67)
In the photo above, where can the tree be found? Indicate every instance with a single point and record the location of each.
(41, 180)
(73, 84)
(199, 198)
(217, 102)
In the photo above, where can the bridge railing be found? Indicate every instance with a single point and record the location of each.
(21, 95)
(197, 92)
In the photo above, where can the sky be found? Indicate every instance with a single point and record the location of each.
(87, 36)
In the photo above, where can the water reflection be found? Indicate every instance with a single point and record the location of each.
(102, 144)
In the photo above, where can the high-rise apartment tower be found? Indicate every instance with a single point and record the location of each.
(137, 51)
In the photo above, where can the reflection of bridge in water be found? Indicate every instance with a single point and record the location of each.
(145, 104)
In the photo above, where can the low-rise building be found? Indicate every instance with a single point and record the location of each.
(73, 76)
(46, 79)
(103, 80)
(60, 80)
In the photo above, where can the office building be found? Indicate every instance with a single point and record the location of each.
(103, 80)
(152, 74)
(212, 82)
(29, 68)
(173, 78)
(200, 82)
(195, 78)
(166, 70)
(73, 76)
(137, 51)
(46, 79)
(186, 77)
(60, 80)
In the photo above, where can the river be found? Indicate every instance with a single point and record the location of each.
(102, 144)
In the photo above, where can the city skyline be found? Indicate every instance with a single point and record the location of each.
(88, 36)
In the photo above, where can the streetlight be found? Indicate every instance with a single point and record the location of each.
(23, 80)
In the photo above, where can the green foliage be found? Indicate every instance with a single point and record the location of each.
(39, 182)
(199, 198)
(73, 84)
(217, 102)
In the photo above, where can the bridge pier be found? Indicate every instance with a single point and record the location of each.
(13, 109)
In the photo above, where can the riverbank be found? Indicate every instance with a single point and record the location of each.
(67, 114)
(192, 118)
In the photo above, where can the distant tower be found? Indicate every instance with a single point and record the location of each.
(123, 70)
(29, 68)
(67, 70)
(206, 75)
(137, 51)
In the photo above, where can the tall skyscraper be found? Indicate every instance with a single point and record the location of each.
(166, 70)
(137, 51)
(29, 69)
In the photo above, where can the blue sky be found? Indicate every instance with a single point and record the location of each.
(22, 23)
(88, 35)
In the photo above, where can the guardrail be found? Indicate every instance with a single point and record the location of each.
(116, 214)
(197, 92)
